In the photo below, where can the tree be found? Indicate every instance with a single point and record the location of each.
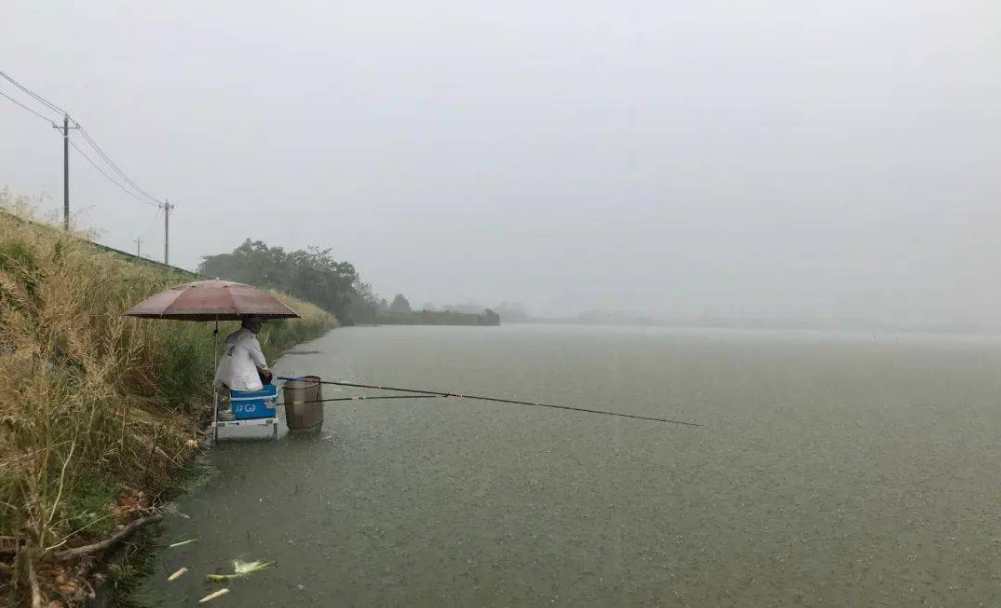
(311, 274)
(489, 317)
(363, 303)
(400, 305)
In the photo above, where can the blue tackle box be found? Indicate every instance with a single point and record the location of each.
(248, 405)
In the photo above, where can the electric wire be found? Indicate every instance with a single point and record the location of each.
(34, 95)
(90, 141)
(152, 222)
(149, 229)
(114, 166)
(110, 179)
(51, 122)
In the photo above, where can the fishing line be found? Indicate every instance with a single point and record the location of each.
(493, 399)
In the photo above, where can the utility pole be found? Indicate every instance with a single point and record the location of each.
(166, 231)
(139, 250)
(66, 172)
(66, 169)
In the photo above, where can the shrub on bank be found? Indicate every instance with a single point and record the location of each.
(99, 411)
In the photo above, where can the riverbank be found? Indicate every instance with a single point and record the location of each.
(101, 413)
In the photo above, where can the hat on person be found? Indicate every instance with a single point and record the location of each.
(253, 319)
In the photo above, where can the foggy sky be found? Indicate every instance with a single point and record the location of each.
(774, 159)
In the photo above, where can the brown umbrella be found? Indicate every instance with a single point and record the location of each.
(212, 300)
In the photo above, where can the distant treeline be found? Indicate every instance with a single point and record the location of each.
(400, 313)
(313, 275)
(438, 317)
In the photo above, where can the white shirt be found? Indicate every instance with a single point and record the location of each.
(240, 359)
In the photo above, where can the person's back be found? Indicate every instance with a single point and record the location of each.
(241, 360)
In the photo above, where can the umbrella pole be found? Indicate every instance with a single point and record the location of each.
(215, 391)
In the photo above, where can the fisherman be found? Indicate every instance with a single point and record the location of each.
(243, 367)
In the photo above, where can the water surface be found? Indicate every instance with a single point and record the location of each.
(833, 470)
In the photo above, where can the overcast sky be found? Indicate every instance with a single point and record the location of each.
(760, 158)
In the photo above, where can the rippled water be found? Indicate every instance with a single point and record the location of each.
(834, 470)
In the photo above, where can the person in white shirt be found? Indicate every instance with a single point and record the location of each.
(242, 366)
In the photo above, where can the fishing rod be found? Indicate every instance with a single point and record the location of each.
(494, 399)
(365, 398)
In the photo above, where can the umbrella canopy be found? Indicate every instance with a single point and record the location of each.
(211, 301)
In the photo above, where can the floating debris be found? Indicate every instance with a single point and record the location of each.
(182, 543)
(241, 569)
(212, 596)
(173, 577)
(171, 508)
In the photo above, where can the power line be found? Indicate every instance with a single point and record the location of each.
(151, 222)
(51, 122)
(142, 196)
(35, 95)
(110, 179)
(90, 140)
(115, 167)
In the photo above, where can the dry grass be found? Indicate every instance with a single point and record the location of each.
(99, 412)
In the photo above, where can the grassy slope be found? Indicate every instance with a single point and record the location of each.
(99, 411)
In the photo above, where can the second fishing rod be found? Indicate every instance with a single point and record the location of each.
(416, 393)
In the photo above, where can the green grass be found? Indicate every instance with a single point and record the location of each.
(90, 506)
